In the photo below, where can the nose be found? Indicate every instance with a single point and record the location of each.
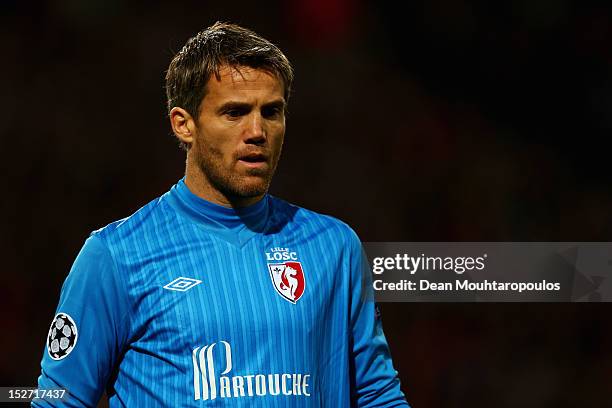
(255, 132)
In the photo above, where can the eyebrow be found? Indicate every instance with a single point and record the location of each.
(279, 103)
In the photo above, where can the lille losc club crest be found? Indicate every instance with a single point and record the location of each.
(288, 280)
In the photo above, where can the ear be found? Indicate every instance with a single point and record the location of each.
(183, 125)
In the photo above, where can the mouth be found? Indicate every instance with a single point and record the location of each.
(253, 160)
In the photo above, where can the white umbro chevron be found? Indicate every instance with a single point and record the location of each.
(182, 284)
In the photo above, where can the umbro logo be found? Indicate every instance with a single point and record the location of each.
(182, 284)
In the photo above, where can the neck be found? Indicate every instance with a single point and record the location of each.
(198, 184)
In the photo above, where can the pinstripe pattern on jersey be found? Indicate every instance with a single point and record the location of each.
(236, 303)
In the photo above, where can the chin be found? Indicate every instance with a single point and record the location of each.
(250, 188)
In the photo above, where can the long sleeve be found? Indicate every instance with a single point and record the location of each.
(375, 382)
(93, 305)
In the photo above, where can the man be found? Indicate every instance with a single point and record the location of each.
(217, 293)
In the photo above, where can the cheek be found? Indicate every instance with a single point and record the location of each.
(278, 135)
(216, 143)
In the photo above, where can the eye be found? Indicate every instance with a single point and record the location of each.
(271, 112)
(234, 113)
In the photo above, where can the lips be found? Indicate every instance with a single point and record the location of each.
(253, 160)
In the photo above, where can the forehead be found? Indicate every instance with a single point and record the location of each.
(244, 84)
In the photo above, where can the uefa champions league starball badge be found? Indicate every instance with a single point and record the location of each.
(62, 336)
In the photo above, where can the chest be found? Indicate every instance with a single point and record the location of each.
(276, 291)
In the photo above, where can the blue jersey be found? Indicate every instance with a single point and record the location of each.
(187, 303)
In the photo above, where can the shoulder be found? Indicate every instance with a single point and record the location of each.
(298, 217)
(134, 225)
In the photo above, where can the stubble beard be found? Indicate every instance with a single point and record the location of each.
(253, 183)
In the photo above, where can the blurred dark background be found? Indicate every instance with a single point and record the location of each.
(435, 121)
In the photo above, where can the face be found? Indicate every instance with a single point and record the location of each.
(239, 133)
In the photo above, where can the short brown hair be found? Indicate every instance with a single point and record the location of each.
(205, 53)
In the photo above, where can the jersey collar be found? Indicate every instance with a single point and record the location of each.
(236, 225)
